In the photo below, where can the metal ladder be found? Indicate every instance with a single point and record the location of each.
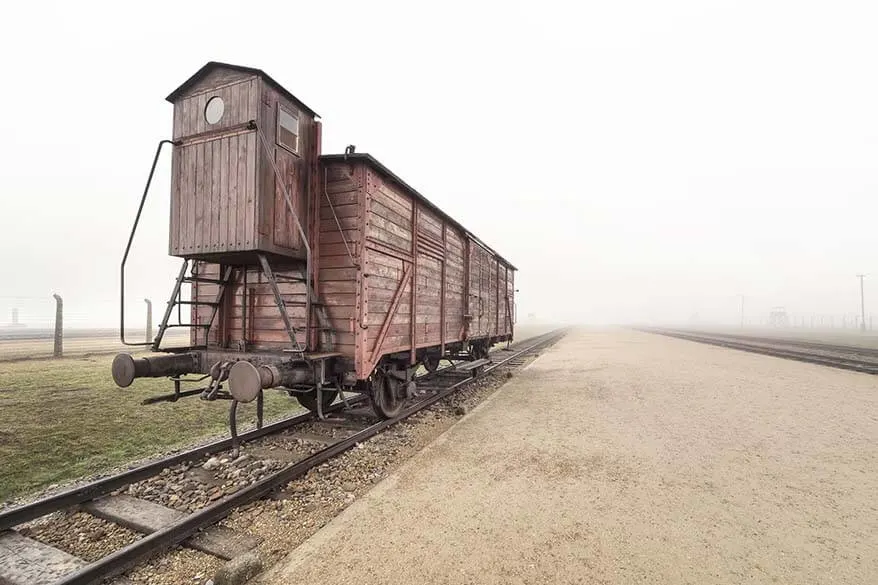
(312, 306)
(282, 305)
(177, 301)
(272, 279)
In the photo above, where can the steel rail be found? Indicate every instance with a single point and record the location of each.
(101, 487)
(793, 342)
(840, 362)
(117, 562)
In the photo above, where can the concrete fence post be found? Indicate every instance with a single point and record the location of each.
(59, 326)
(148, 320)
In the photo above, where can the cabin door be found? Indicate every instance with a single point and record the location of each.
(286, 232)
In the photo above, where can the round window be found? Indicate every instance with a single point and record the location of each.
(214, 109)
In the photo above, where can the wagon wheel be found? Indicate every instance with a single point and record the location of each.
(431, 362)
(309, 399)
(385, 395)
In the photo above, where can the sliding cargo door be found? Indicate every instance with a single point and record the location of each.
(456, 304)
(430, 270)
(501, 300)
(508, 305)
(491, 295)
(481, 298)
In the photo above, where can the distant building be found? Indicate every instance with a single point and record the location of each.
(14, 324)
(778, 317)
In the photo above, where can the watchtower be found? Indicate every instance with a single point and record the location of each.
(245, 159)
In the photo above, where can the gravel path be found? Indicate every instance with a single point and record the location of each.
(678, 463)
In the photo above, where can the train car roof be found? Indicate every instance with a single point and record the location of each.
(374, 163)
(211, 65)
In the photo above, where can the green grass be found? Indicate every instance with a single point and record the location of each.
(63, 419)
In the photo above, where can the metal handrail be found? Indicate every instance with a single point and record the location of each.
(155, 161)
(304, 237)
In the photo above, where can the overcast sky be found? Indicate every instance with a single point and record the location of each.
(635, 160)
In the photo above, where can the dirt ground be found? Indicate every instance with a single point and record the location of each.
(622, 457)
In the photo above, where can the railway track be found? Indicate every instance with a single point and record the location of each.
(846, 357)
(23, 560)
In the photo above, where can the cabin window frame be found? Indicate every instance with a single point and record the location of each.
(294, 114)
(208, 111)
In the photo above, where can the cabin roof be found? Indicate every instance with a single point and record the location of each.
(374, 163)
(211, 65)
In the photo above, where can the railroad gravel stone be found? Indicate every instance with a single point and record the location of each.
(211, 464)
(179, 566)
(81, 535)
(189, 487)
(238, 570)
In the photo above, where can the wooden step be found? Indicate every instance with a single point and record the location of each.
(313, 438)
(340, 423)
(360, 412)
(469, 366)
(147, 517)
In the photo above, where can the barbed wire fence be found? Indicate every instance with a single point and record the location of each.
(51, 326)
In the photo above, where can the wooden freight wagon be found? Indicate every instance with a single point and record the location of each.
(316, 273)
(422, 284)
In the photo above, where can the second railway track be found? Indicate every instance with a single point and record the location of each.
(846, 357)
(166, 527)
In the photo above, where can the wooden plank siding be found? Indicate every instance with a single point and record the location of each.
(430, 266)
(265, 326)
(364, 246)
(340, 278)
(337, 287)
(213, 181)
(239, 98)
(212, 186)
(398, 233)
(277, 227)
(455, 283)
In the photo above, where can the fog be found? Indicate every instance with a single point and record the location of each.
(636, 161)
